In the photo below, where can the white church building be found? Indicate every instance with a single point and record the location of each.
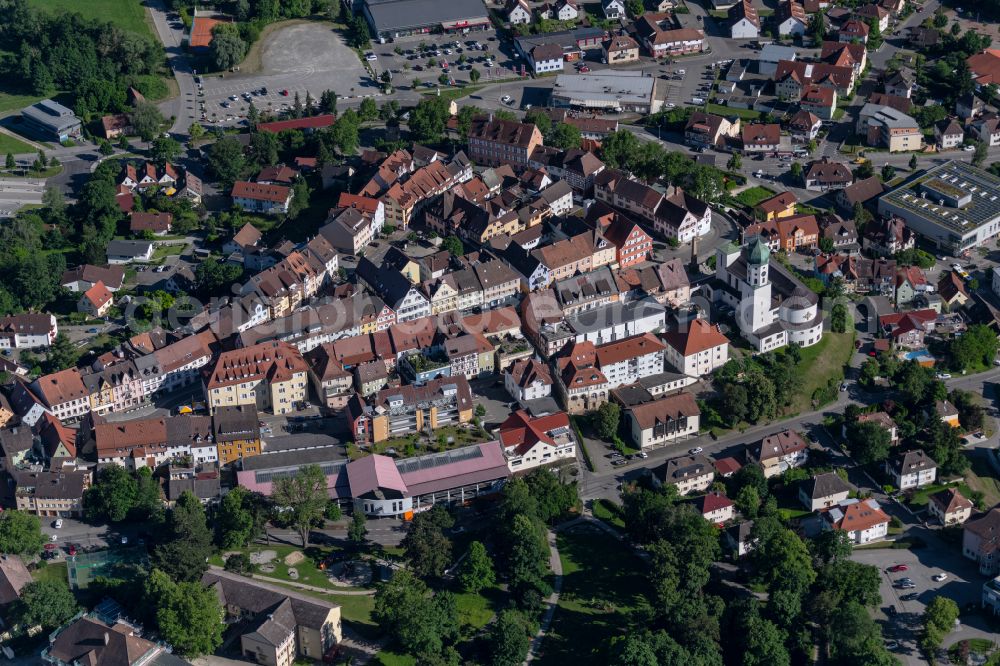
(773, 308)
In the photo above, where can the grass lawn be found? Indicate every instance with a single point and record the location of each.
(308, 569)
(982, 477)
(475, 610)
(609, 512)
(162, 251)
(388, 658)
(822, 362)
(752, 196)
(9, 144)
(11, 102)
(722, 110)
(922, 496)
(55, 571)
(126, 14)
(601, 586)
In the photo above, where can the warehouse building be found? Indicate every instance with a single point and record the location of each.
(611, 91)
(954, 205)
(52, 121)
(398, 18)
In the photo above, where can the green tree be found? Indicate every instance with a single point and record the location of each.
(368, 110)
(474, 75)
(146, 120)
(564, 136)
(980, 153)
(196, 132)
(607, 419)
(765, 644)
(476, 571)
(508, 639)
(425, 546)
(148, 506)
(838, 318)
(239, 563)
(795, 171)
(62, 354)
(453, 245)
(939, 619)
(184, 552)
(234, 523)
(977, 347)
(357, 531)
(112, 497)
(888, 173)
(817, 27)
(748, 502)
(913, 162)
(333, 511)
(227, 47)
(164, 149)
(734, 163)
(10, 162)
(423, 625)
(189, 615)
(304, 496)
(20, 533)
(226, 161)
(428, 119)
(618, 148)
(869, 442)
(527, 567)
(832, 546)
(47, 603)
(105, 148)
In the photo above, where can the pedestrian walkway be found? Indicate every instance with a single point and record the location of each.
(553, 600)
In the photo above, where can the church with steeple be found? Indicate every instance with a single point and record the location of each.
(772, 307)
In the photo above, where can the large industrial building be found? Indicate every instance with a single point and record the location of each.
(397, 18)
(52, 121)
(954, 205)
(613, 91)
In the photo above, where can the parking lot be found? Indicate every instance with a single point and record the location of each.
(305, 57)
(963, 584)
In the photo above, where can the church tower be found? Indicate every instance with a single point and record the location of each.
(755, 309)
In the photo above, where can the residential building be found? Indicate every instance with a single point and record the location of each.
(708, 129)
(613, 10)
(63, 394)
(626, 361)
(874, 12)
(619, 49)
(842, 233)
(656, 33)
(793, 77)
(737, 538)
(90, 640)
(791, 18)
(517, 12)
(951, 289)
(52, 494)
(804, 126)
(912, 469)
(277, 626)
(96, 301)
(824, 491)
(84, 277)
(885, 127)
(715, 507)
(863, 520)
(261, 197)
(981, 541)
(823, 175)
(949, 506)
(697, 349)
(986, 129)
(949, 134)
(633, 245)
(272, 376)
(28, 331)
(853, 30)
(579, 381)
(689, 474)
(779, 452)
(862, 192)
(409, 409)
(743, 19)
(796, 233)
(900, 83)
(126, 252)
(545, 58)
(236, 433)
(13, 577)
(889, 236)
(528, 379)
(760, 138)
(664, 420)
(780, 205)
(530, 442)
(884, 420)
(819, 100)
(493, 142)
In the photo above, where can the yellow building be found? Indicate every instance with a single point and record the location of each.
(271, 376)
(237, 433)
(779, 206)
(411, 409)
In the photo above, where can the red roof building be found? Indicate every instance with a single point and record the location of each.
(309, 123)
(530, 442)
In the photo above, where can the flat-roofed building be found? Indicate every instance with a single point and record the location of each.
(955, 206)
(397, 18)
(52, 121)
(611, 91)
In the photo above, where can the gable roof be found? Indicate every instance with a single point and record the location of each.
(667, 408)
(697, 337)
(950, 500)
(825, 485)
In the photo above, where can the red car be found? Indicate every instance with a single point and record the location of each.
(284, 93)
(897, 568)
(584, 69)
(72, 549)
(50, 546)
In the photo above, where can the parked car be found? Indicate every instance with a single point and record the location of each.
(58, 524)
(896, 568)
(909, 596)
(937, 578)
(695, 451)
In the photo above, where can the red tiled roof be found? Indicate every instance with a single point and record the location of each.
(260, 192)
(201, 31)
(312, 122)
(699, 337)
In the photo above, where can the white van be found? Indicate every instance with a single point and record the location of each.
(697, 100)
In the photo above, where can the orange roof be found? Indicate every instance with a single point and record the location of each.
(861, 516)
(699, 337)
(628, 348)
(201, 31)
(778, 202)
(271, 361)
(98, 295)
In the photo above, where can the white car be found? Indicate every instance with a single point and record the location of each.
(969, 148)
(370, 56)
(937, 578)
(58, 524)
(506, 99)
(695, 451)
(124, 540)
(943, 375)
(53, 538)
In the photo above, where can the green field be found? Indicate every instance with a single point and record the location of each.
(720, 110)
(126, 14)
(752, 196)
(822, 362)
(9, 144)
(602, 585)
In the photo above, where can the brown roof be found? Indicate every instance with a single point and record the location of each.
(273, 361)
(60, 387)
(90, 642)
(260, 191)
(950, 286)
(760, 134)
(526, 371)
(566, 251)
(544, 52)
(779, 444)
(155, 222)
(821, 72)
(503, 131)
(985, 66)
(669, 408)
(863, 190)
(698, 337)
(98, 295)
(13, 577)
(628, 348)
(777, 203)
(950, 500)
(828, 172)
(860, 516)
(620, 43)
